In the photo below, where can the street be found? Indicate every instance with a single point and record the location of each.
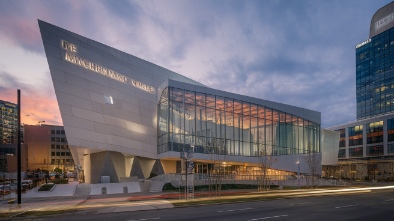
(365, 205)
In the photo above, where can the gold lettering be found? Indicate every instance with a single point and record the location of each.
(101, 70)
(69, 47)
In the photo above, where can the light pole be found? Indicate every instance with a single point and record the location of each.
(298, 174)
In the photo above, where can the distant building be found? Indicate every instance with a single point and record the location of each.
(366, 147)
(8, 158)
(47, 148)
(8, 122)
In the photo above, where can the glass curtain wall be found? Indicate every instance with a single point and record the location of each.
(215, 124)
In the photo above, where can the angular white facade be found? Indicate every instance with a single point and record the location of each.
(108, 102)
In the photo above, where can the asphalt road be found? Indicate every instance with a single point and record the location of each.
(367, 205)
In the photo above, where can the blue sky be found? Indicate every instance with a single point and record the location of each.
(300, 53)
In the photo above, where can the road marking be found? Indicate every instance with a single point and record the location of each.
(389, 200)
(338, 207)
(268, 217)
(232, 210)
(144, 219)
(299, 203)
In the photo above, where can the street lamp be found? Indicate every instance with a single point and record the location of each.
(298, 173)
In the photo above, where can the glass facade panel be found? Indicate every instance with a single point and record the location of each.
(375, 150)
(356, 152)
(342, 137)
(375, 132)
(390, 148)
(355, 135)
(374, 76)
(390, 130)
(234, 127)
(342, 153)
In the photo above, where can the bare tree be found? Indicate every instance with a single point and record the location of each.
(265, 163)
(313, 160)
(215, 175)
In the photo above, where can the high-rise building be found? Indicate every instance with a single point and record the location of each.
(8, 123)
(366, 146)
(375, 66)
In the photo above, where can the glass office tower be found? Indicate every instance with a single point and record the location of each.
(375, 75)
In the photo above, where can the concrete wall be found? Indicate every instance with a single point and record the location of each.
(330, 147)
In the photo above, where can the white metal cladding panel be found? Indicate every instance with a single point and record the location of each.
(57, 74)
(79, 123)
(65, 109)
(133, 108)
(115, 121)
(73, 100)
(71, 90)
(87, 115)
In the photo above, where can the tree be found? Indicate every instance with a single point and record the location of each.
(215, 174)
(265, 163)
(313, 160)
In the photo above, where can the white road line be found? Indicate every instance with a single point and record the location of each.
(338, 207)
(144, 219)
(268, 217)
(232, 210)
(299, 203)
(389, 200)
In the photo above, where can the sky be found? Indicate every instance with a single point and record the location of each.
(300, 53)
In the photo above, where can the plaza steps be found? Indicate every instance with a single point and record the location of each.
(82, 189)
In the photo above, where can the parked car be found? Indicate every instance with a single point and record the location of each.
(27, 184)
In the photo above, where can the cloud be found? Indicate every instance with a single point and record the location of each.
(299, 53)
(37, 104)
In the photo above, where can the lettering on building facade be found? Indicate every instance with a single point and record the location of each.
(72, 58)
(363, 43)
(384, 21)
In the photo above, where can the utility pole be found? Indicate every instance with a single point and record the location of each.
(19, 150)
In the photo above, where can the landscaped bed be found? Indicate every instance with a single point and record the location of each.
(46, 187)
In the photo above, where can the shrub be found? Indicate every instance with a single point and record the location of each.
(46, 187)
(60, 181)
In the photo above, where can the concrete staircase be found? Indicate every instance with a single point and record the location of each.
(82, 189)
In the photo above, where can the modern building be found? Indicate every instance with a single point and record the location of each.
(47, 148)
(8, 123)
(8, 159)
(124, 116)
(366, 147)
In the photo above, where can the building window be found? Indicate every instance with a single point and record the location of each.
(355, 135)
(375, 150)
(342, 137)
(375, 132)
(342, 153)
(390, 130)
(390, 148)
(356, 152)
(108, 99)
